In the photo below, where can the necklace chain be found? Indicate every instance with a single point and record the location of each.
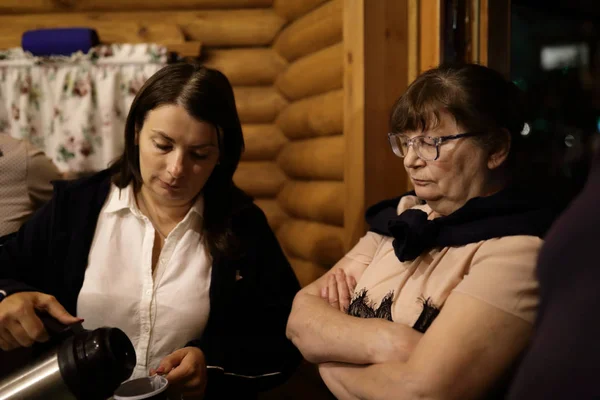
(151, 219)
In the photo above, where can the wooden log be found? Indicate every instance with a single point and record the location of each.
(312, 32)
(108, 32)
(307, 271)
(236, 32)
(213, 28)
(59, 6)
(247, 67)
(257, 105)
(274, 213)
(293, 9)
(320, 158)
(319, 201)
(312, 241)
(316, 73)
(321, 115)
(259, 179)
(184, 49)
(263, 142)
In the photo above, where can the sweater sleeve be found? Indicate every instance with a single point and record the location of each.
(24, 254)
(251, 352)
(40, 172)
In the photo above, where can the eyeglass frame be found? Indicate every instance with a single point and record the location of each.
(438, 140)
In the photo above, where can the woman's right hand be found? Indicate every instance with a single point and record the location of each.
(19, 324)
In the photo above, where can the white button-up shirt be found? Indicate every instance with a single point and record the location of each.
(159, 313)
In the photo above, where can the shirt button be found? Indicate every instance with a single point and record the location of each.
(146, 329)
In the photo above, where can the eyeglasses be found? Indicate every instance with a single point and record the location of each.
(427, 148)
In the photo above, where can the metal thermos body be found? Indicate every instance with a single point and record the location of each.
(42, 380)
(80, 364)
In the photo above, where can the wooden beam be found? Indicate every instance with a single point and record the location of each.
(314, 31)
(184, 49)
(430, 35)
(275, 215)
(375, 75)
(263, 142)
(413, 39)
(293, 9)
(315, 159)
(320, 201)
(312, 241)
(246, 67)
(307, 272)
(314, 74)
(321, 115)
(259, 178)
(258, 104)
(59, 6)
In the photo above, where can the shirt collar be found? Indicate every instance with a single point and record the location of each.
(120, 199)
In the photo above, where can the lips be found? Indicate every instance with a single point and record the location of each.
(169, 186)
(420, 181)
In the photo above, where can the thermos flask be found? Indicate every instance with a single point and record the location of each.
(74, 364)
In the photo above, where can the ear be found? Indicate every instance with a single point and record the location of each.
(499, 153)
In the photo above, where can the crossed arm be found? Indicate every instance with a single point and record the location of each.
(324, 333)
(464, 352)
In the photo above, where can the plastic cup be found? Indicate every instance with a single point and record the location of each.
(147, 388)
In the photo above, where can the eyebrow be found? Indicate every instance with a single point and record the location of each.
(170, 140)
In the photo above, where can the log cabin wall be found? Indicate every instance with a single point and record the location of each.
(312, 122)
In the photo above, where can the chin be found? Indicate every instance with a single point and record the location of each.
(427, 194)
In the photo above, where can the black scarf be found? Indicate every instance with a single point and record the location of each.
(506, 213)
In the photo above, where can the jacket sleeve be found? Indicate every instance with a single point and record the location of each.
(25, 254)
(250, 351)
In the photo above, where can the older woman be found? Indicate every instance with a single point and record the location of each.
(437, 300)
(164, 246)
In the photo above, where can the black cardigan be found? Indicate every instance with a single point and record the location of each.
(244, 341)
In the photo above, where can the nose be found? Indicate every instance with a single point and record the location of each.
(175, 165)
(411, 160)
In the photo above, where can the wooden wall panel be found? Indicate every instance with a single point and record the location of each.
(317, 159)
(259, 178)
(320, 201)
(430, 34)
(375, 75)
(212, 28)
(54, 6)
(321, 115)
(245, 67)
(316, 30)
(263, 142)
(258, 105)
(293, 9)
(314, 74)
(312, 241)
(275, 215)
(307, 271)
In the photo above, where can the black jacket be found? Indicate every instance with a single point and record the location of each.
(244, 341)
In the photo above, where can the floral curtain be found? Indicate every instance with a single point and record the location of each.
(74, 108)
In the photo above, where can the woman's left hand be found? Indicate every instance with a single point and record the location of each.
(185, 369)
(339, 289)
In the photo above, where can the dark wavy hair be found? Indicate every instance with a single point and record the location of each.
(479, 98)
(207, 95)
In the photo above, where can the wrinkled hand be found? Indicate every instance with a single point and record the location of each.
(185, 369)
(339, 290)
(20, 326)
